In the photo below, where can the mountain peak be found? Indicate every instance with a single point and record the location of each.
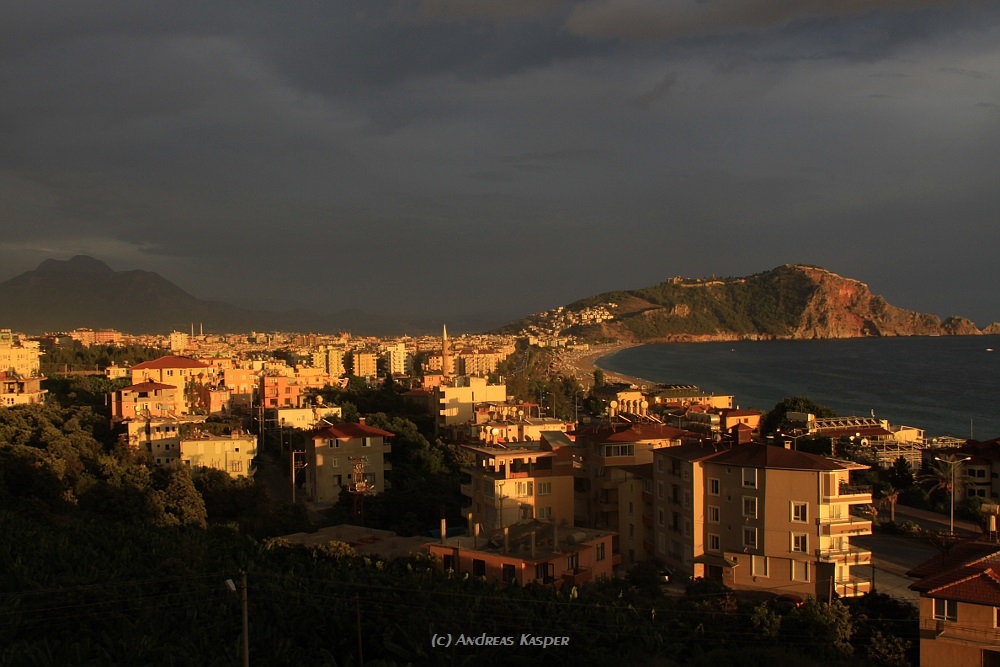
(75, 264)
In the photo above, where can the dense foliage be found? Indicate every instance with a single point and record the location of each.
(107, 561)
(79, 357)
(769, 303)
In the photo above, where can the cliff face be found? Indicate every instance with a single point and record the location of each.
(845, 308)
(791, 301)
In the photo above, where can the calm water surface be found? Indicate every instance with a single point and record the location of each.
(947, 385)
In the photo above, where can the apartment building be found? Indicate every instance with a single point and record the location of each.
(636, 536)
(760, 517)
(145, 400)
(960, 606)
(16, 389)
(605, 450)
(184, 373)
(336, 455)
(529, 552)
(455, 405)
(18, 356)
(510, 483)
(232, 454)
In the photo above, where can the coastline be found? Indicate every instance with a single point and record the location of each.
(581, 365)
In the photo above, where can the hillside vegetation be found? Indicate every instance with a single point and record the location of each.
(790, 301)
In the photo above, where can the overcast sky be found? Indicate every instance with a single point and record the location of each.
(454, 157)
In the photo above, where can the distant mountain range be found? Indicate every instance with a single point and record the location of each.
(85, 292)
(791, 301)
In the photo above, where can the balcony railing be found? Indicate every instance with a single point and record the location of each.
(932, 628)
(848, 556)
(466, 490)
(848, 525)
(577, 576)
(853, 586)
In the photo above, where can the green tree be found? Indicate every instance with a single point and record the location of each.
(774, 419)
(182, 504)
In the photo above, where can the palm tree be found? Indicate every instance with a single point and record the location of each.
(890, 497)
(946, 473)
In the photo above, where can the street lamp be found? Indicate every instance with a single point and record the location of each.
(953, 464)
(795, 438)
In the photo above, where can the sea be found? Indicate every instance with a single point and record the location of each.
(946, 385)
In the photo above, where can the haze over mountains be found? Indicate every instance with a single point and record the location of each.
(85, 292)
(790, 301)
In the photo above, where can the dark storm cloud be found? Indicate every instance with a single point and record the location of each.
(379, 152)
(652, 19)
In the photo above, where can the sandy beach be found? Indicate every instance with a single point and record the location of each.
(581, 364)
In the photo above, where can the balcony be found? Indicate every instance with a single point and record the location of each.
(848, 493)
(577, 576)
(935, 629)
(849, 526)
(847, 555)
(466, 490)
(647, 497)
(853, 586)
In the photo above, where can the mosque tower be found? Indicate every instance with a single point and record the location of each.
(447, 363)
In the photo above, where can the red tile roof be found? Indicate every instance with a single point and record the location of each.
(170, 361)
(967, 574)
(753, 455)
(640, 432)
(347, 431)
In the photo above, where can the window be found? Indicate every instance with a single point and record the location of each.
(544, 512)
(366, 442)
(800, 512)
(687, 528)
(800, 543)
(714, 487)
(750, 477)
(544, 488)
(759, 566)
(508, 572)
(478, 567)
(659, 464)
(525, 489)
(750, 537)
(945, 610)
(599, 551)
(334, 463)
(750, 507)
(800, 571)
(631, 506)
(687, 500)
(714, 542)
(659, 490)
(619, 450)
(714, 515)
(631, 530)
(573, 561)
(659, 517)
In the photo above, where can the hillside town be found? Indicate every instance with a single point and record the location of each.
(557, 490)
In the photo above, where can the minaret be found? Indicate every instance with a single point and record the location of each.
(447, 365)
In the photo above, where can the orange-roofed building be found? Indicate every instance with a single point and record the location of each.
(144, 400)
(960, 606)
(184, 373)
(330, 457)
